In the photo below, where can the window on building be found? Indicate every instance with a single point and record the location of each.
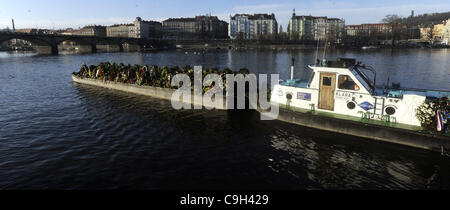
(346, 83)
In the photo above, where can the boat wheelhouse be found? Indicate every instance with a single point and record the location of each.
(343, 87)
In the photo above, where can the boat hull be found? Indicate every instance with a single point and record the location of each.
(396, 135)
(156, 92)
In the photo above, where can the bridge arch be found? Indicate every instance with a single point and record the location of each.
(80, 44)
(48, 43)
(38, 44)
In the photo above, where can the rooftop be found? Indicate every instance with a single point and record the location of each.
(367, 24)
(180, 19)
(145, 21)
(116, 25)
(313, 17)
(255, 16)
(94, 27)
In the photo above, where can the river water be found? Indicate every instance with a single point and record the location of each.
(55, 134)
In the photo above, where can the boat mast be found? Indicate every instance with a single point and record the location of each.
(325, 48)
(317, 52)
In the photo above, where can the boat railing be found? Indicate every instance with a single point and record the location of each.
(365, 77)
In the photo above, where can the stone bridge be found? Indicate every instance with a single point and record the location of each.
(48, 44)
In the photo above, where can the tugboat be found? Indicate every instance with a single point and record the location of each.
(343, 87)
(340, 97)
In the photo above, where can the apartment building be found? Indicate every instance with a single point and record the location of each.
(254, 26)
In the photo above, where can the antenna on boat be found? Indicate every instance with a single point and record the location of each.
(292, 67)
(387, 85)
(325, 48)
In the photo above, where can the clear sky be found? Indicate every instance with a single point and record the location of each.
(57, 14)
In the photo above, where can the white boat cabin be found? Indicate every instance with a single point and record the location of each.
(342, 87)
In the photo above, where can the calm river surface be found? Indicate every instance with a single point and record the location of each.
(55, 134)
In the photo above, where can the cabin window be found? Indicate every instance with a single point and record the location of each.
(351, 105)
(345, 82)
(326, 81)
(390, 110)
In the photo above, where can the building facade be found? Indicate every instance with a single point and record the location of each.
(145, 29)
(211, 27)
(175, 28)
(446, 33)
(438, 30)
(336, 29)
(316, 28)
(367, 29)
(320, 25)
(192, 28)
(301, 28)
(353, 30)
(138, 29)
(99, 31)
(122, 30)
(265, 26)
(426, 33)
(239, 27)
(253, 26)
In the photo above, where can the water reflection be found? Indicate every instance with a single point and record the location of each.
(57, 134)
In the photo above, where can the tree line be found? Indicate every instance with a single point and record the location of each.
(425, 20)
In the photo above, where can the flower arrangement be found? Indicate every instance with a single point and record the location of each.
(426, 113)
(149, 75)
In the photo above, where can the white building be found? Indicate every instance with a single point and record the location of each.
(239, 24)
(316, 28)
(446, 33)
(336, 29)
(328, 28)
(138, 29)
(122, 30)
(253, 26)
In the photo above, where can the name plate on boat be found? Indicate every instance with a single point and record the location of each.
(343, 95)
(304, 96)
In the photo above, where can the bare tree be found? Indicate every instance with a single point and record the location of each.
(393, 21)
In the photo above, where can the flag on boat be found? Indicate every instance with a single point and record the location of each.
(439, 120)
